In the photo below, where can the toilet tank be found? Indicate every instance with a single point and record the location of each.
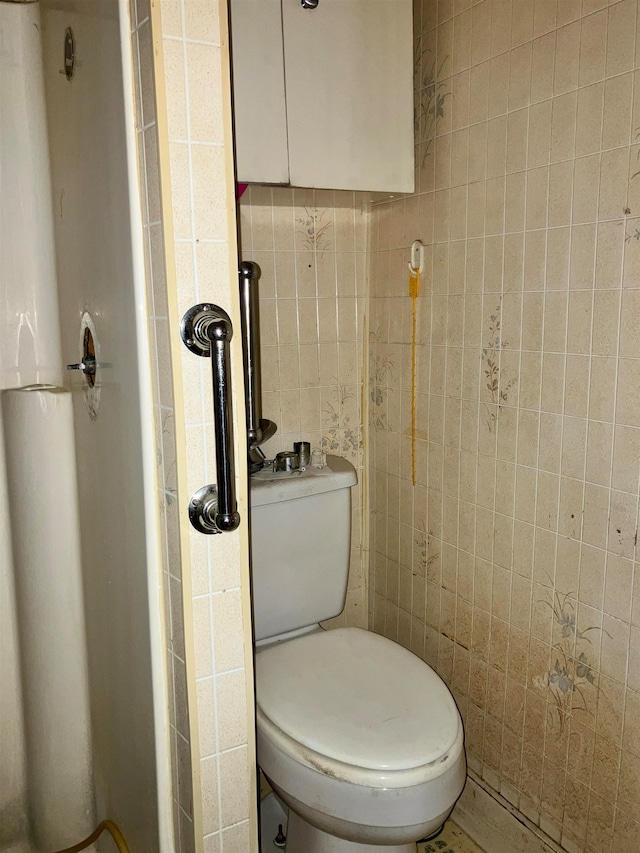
(300, 543)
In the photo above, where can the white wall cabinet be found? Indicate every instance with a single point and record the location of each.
(324, 97)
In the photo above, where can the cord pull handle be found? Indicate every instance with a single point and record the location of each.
(416, 264)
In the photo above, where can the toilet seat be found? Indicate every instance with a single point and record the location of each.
(358, 707)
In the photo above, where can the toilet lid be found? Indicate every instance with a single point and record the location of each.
(358, 698)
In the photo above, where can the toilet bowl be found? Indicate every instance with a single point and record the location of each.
(360, 738)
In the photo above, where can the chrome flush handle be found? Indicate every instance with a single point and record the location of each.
(206, 331)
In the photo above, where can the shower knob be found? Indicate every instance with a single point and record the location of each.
(87, 365)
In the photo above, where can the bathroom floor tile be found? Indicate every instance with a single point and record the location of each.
(451, 840)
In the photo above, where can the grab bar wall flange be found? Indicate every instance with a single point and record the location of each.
(206, 330)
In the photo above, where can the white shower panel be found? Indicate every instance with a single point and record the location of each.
(43, 500)
(13, 820)
(29, 324)
(100, 270)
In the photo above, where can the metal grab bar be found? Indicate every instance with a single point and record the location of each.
(249, 275)
(206, 331)
(259, 429)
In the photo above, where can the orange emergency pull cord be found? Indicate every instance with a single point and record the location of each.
(414, 290)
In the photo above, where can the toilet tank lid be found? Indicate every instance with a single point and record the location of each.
(267, 487)
(358, 698)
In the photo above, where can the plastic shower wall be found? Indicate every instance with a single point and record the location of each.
(70, 242)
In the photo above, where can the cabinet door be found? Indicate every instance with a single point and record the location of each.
(258, 92)
(349, 84)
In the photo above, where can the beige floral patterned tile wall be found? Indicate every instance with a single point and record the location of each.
(311, 248)
(511, 565)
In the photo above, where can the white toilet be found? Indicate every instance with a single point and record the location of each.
(359, 737)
